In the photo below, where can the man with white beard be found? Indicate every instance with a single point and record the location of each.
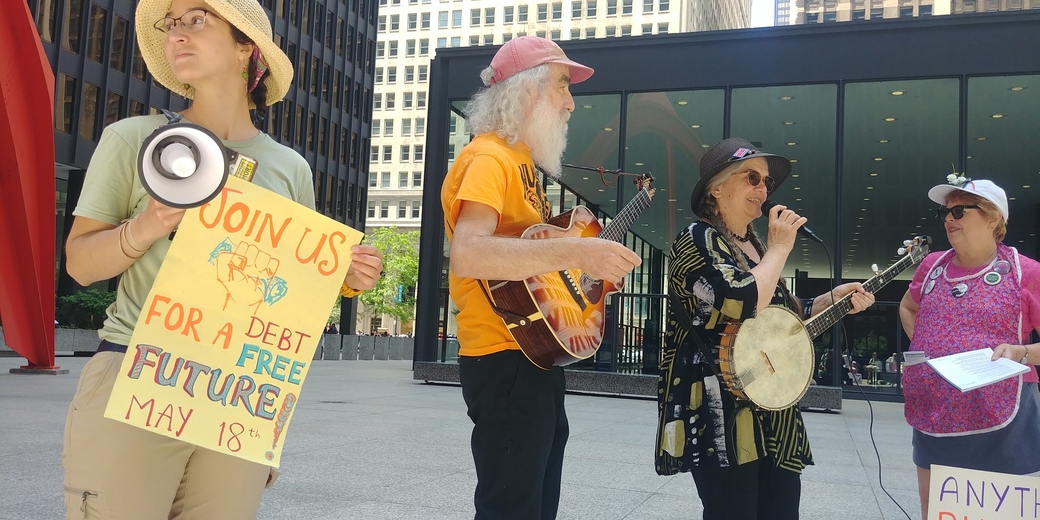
(490, 196)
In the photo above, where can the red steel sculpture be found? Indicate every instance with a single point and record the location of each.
(27, 208)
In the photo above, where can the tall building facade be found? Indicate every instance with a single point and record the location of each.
(100, 78)
(411, 31)
(782, 13)
(825, 11)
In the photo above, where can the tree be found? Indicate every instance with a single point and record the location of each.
(395, 292)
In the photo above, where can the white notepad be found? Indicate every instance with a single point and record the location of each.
(973, 369)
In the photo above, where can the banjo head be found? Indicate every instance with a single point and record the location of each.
(773, 358)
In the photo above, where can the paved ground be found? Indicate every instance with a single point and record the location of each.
(369, 443)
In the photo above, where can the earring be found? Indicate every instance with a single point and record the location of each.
(186, 87)
(245, 74)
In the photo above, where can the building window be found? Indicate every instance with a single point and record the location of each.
(611, 7)
(420, 100)
(424, 47)
(409, 49)
(648, 6)
(507, 14)
(456, 18)
(409, 73)
(384, 209)
(859, 14)
(381, 26)
(456, 41)
(451, 151)
(423, 73)
(576, 9)
(647, 28)
(590, 10)
(374, 155)
(489, 16)
(611, 31)
(442, 43)
(96, 33)
(407, 100)
(926, 10)
(70, 39)
(391, 99)
(662, 6)
(375, 127)
(662, 28)
(904, 12)
(113, 108)
(474, 17)
(373, 180)
(88, 117)
(812, 17)
(521, 14)
(831, 16)
(406, 127)
(46, 19)
(626, 6)
(416, 179)
(543, 12)
(413, 21)
(557, 11)
(379, 75)
(66, 98)
(392, 52)
(415, 209)
(442, 20)
(372, 210)
(402, 209)
(420, 126)
(417, 156)
(388, 128)
(120, 38)
(575, 34)
(384, 179)
(875, 12)
(626, 30)
(424, 21)
(377, 102)
(402, 179)
(388, 156)
(406, 153)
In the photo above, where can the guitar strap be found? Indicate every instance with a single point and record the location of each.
(511, 318)
(691, 335)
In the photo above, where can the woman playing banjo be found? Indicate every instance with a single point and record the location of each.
(746, 461)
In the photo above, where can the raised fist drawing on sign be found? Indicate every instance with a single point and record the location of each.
(248, 276)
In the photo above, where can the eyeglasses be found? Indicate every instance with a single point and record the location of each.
(191, 21)
(754, 178)
(956, 211)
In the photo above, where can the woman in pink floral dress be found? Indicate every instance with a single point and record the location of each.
(981, 293)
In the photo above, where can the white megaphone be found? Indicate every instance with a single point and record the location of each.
(183, 165)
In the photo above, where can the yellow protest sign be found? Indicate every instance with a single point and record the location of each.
(968, 494)
(228, 331)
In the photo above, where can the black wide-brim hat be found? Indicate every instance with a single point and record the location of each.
(729, 151)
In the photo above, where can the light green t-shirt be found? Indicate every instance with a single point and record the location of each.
(112, 192)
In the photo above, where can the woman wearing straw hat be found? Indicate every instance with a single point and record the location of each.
(221, 55)
(745, 461)
(980, 293)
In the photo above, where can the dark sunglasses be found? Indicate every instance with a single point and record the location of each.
(754, 178)
(956, 211)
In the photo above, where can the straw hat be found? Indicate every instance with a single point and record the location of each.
(245, 15)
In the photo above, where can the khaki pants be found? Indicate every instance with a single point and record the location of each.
(114, 471)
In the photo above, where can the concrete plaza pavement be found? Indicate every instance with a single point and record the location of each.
(367, 442)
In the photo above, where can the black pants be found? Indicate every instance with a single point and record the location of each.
(753, 491)
(519, 432)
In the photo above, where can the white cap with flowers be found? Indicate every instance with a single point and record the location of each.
(981, 188)
(247, 16)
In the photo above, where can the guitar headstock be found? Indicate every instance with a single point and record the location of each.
(643, 183)
(916, 248)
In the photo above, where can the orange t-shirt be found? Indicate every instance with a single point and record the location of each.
(492, 172)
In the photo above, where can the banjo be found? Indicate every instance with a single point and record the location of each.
(769, 359)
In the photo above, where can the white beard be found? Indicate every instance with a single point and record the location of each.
(546, 136)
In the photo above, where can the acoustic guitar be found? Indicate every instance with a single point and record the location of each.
(558, 318)
(769, 359)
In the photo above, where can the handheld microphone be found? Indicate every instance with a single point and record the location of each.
(805, 231)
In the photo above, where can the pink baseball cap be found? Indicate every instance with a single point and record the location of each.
(527, 52)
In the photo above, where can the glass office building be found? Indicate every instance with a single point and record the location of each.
(100, 77)
(871, 116)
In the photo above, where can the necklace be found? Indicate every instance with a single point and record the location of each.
(740, 238)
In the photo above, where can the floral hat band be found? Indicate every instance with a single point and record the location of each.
(957, 182)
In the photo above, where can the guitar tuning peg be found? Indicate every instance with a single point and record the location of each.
(874, 267)
(901, 250)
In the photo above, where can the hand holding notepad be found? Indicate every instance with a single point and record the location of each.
(974, 369)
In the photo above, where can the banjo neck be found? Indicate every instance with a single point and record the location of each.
(826, 319)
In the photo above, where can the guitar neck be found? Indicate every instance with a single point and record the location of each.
(619, 225)
(826, 319)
